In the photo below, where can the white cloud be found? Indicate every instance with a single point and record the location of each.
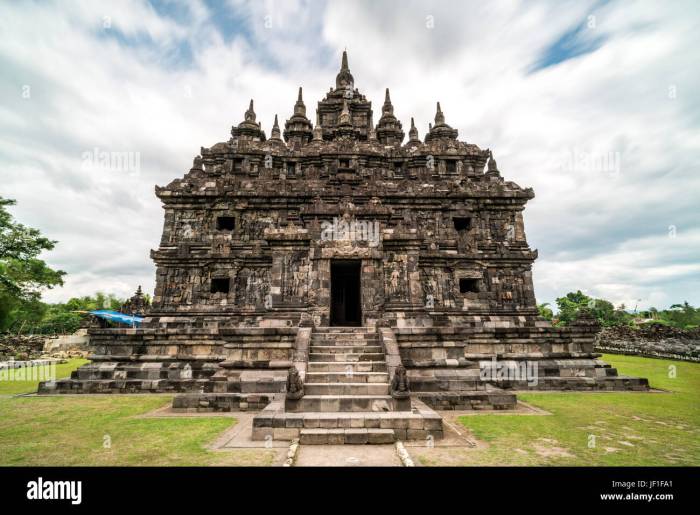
(162, 86)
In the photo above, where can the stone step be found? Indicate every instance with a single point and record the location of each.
(345, 349)
(346, 357)
(346, 388)
(351, 436)
(341, 403)
(344, 337)
(344, 329)
(418, 423)
(347, 366)
(349, 342)
(347, 376)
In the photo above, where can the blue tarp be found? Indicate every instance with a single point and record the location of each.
(116, 316)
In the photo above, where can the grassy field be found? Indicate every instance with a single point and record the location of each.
(107, 430)
(613, 429)
(583, 428)
(16, 387)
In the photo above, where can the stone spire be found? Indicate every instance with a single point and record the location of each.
(318, 130)
(413, 140)
(413, 132)
(275, 134)
(248, 129)
(345, 128)
(387, 108)
(344, 118)
(440, 130)
(344, 79)
(136, 305)
(492, 167)
(298, 129)
(299, 107)
(250, 113)
(360, 109)
(389, 128)
(439, 117)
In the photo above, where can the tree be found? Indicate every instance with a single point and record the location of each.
(545, 311)
(683, 316)
(22, 274)
(570, 304)
(601, 309)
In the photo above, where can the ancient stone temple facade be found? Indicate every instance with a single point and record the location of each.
(356, 272)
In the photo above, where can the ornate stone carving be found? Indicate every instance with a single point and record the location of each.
(400, 387)
(295, 386)
(252, 286)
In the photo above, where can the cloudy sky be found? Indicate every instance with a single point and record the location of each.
(593, 104)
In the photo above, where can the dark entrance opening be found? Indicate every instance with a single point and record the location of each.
(345, 293)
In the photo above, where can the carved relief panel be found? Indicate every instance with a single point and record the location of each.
(438, 287)
(396, 277)
(294, 277)
(252, 287)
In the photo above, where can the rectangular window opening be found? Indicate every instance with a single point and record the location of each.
(291, 169)
(225, 223)
(468, 285)
(220, 285)
(462, 224)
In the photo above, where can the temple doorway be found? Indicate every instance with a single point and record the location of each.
(345, 293)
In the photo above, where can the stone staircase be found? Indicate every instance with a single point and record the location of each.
(346, 372)
(347, 397)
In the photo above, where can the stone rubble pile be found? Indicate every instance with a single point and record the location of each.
(653, 340)
(21, 347)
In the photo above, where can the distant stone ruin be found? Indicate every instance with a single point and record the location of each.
(651, 340)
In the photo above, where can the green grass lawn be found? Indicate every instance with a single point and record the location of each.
(11, 387)
(628, 428)
(74, 430)
(613, 429)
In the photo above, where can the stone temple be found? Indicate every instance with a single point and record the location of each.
(344, 284)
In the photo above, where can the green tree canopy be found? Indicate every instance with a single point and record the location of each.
(545, 311)
(22, 274)
(601, 309)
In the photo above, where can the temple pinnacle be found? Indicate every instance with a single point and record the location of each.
(275, 134)
(299, 106)
(413, 132)
(250, 113)
(345, 114)
(439, 116)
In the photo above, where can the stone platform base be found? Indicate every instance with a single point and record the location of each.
(420, 423)
(588, 384)
(346, 436)
(486, 399)
(135, 377)
(220, 402)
